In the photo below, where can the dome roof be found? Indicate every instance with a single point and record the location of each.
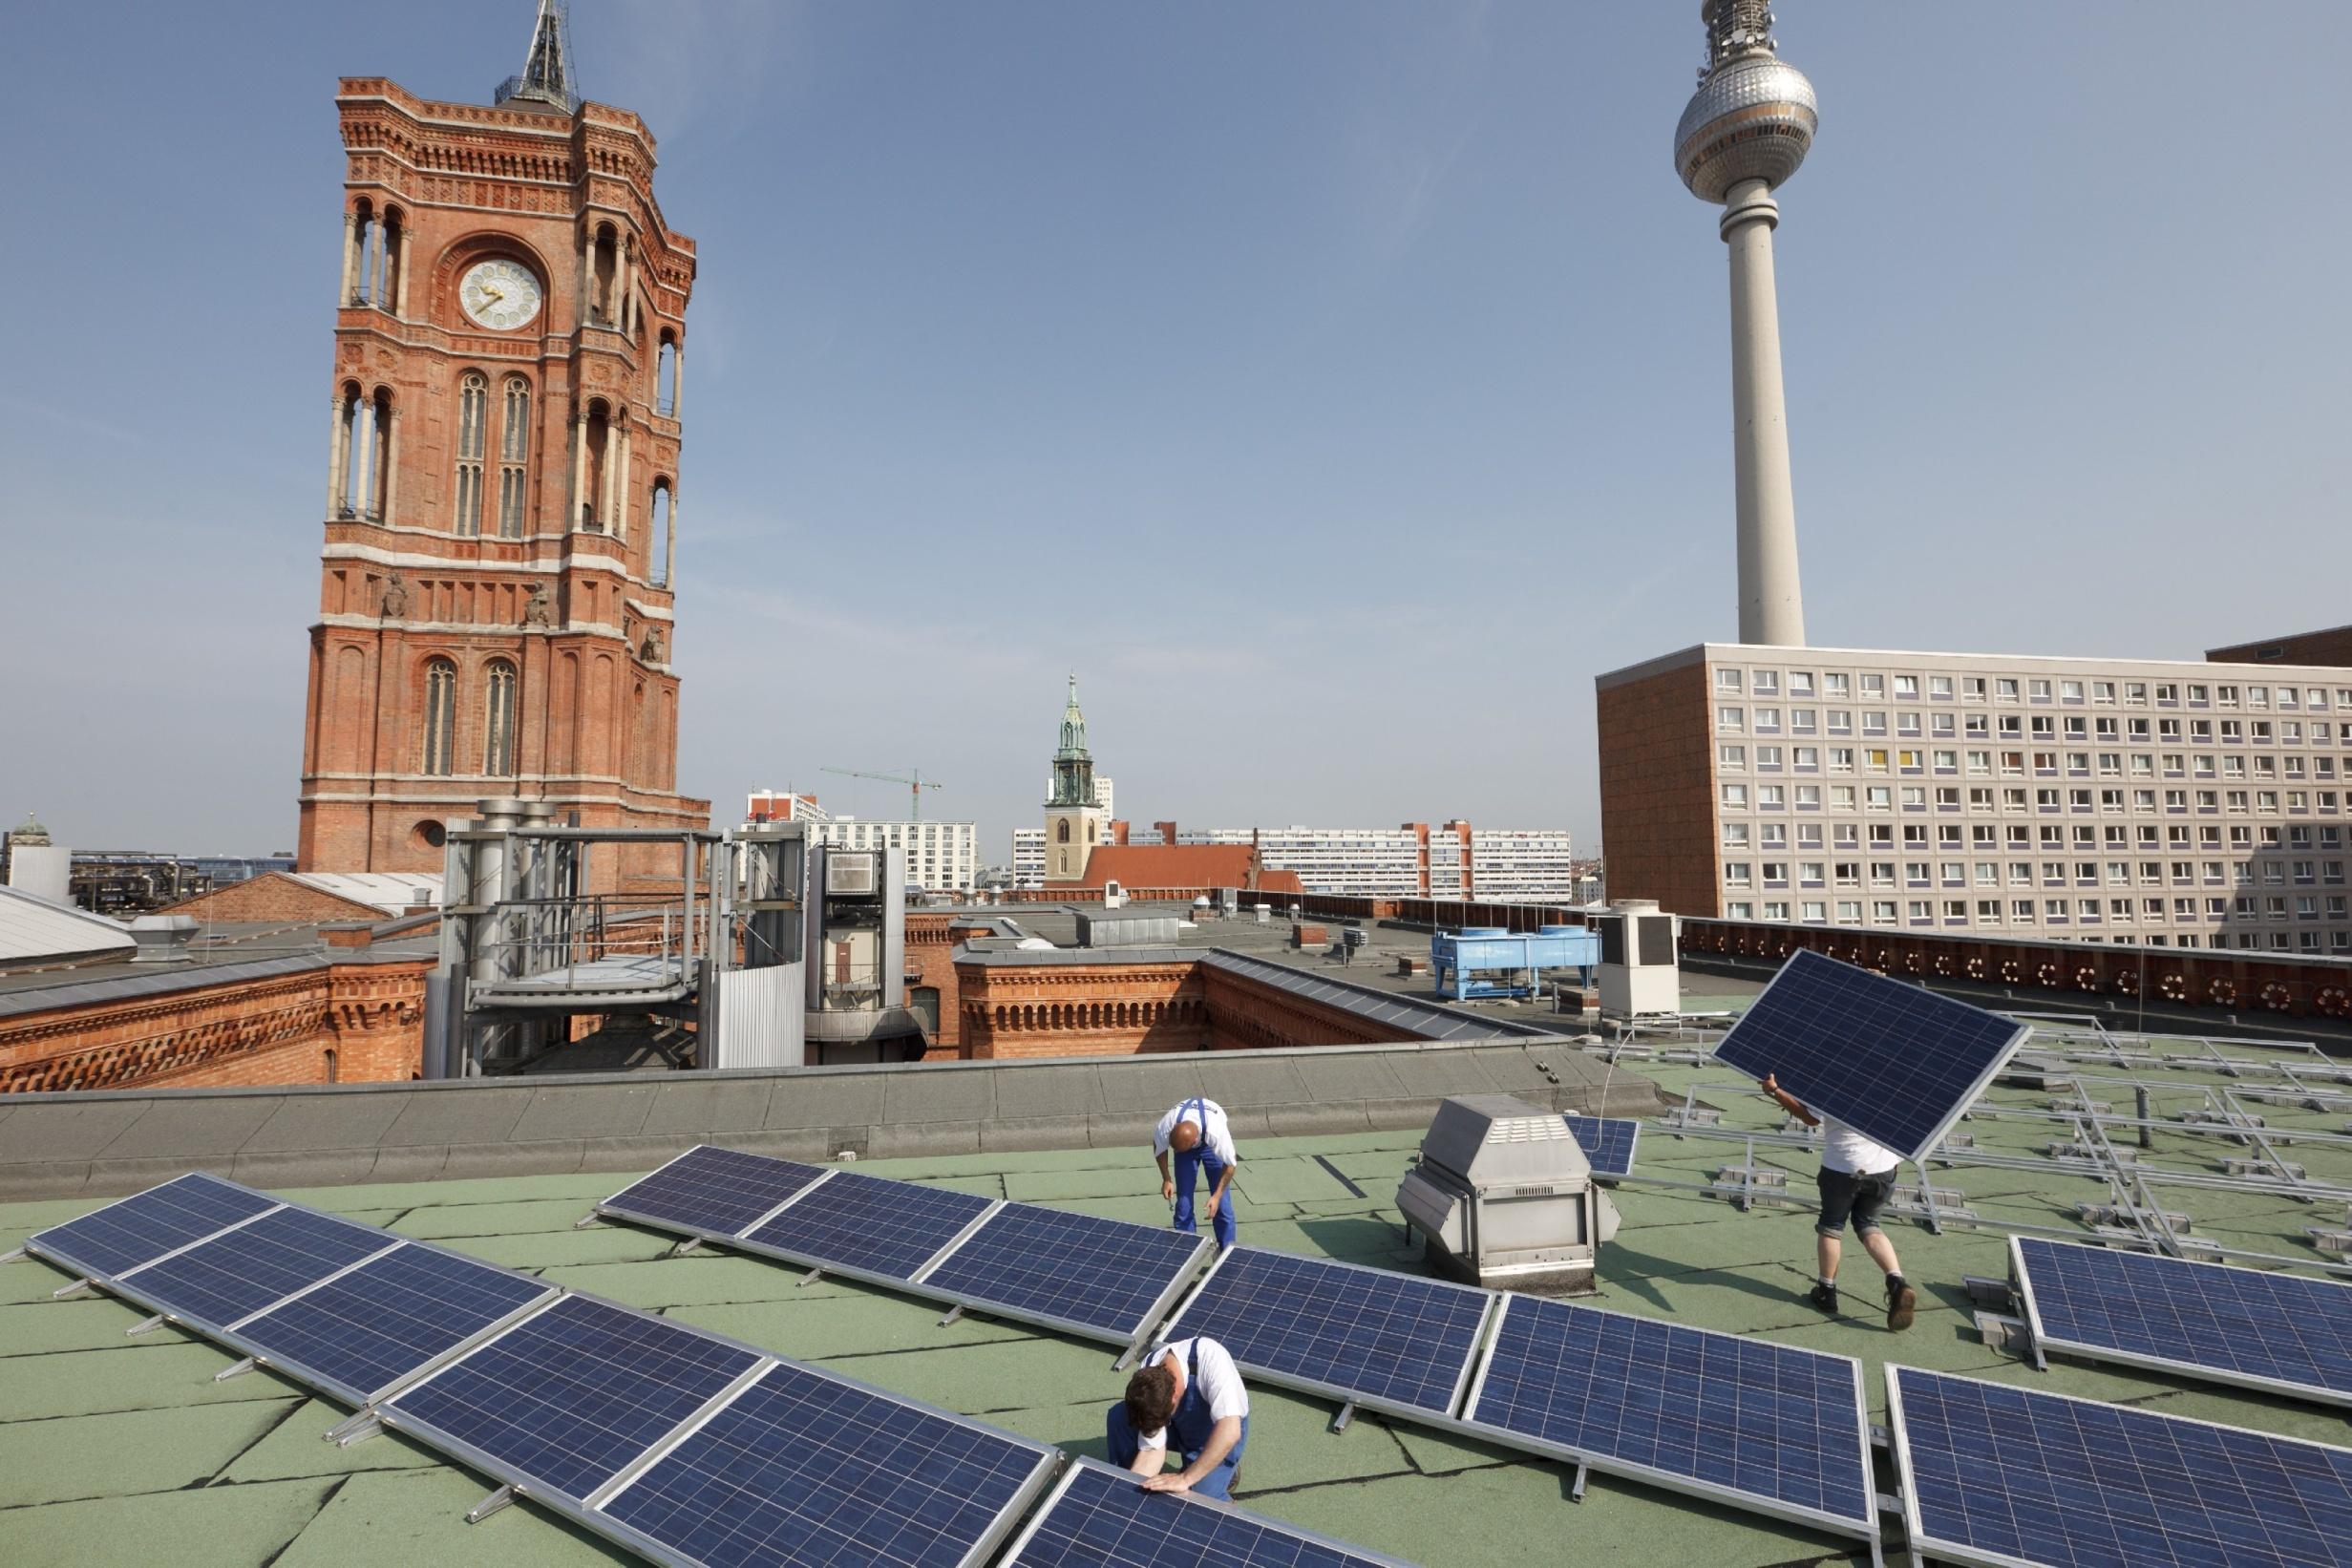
(1752, 118)
(29, 832)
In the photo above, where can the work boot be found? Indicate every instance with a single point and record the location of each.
(1824, 1295)
(1902, 1302)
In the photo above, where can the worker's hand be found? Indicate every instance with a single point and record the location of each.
(1213, 1205)
(1772, 1084)
(1167, 1188)
(1172, 1480)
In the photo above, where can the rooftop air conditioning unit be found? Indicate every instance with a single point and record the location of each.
(853, 873)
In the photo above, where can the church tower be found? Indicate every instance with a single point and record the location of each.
(1074, 824)
(494, 609)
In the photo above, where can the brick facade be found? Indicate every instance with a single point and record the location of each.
(2333, 646)
(491, 564)
(1658, 788)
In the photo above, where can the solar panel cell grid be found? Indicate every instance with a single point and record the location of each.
(387, 1318)
(1607, 1141)
(1731, 1414)
(570, 1396)
(1077, 1268)
(1993, 1472)
(802, 1470)
(1896, 1063)
(717, 1190)
(2288, 1330)
(871, 1224)
(238, 1273)
(141, 1229)
(1371, 1334)
(1103, 1519)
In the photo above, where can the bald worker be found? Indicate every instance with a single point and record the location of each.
(1195, 1133)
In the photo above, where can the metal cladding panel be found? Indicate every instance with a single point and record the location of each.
(804, 1471)
(1075, 1268)
(1101, 1517)
(762, 1018)
(1992, 1473)
(1894, 1062)
(871, 1224)
(1738, 1417)
(242, 1271)
(1393, 1339)
(717, 1190)
(2287, 1333)
(140, 1229)
(573, 1394)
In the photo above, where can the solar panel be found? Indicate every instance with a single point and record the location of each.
(359, 1334)
(802, 1469)
(863, 1224)
(239, 1272)
(1767, 1426)
(1607, 1141)
(1079, 1271)
(2288, 1333)
(139, 1230)
(1387, 1341)
(1896, 1063)
(1992, 1473)
(568, 1397)
(718, 1191)
(1099, 1517)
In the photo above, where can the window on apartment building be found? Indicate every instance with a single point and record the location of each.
(1727, 680)
(1837, 686)
(1765, 683)
(1731, 721)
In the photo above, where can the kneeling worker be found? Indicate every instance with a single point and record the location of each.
(1188, 1398)
(1196, 1132)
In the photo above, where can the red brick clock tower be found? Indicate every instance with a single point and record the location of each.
(494, 607)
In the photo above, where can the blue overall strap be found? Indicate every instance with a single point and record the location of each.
(1195, 1103)
(1192, 1364)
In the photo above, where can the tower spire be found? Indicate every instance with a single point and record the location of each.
(547, 70)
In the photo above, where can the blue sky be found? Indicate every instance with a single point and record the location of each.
(1336, 386)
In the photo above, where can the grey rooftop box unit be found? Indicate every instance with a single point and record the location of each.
(1127, 930)
(1638, 974)
(1504, 1196)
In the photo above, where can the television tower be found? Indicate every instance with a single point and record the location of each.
(1744, 133)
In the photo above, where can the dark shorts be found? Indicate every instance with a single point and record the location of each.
(1846, 1196)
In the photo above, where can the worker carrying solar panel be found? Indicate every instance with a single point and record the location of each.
(1195, 1133)
(1188, 1399)
(1858, 1177)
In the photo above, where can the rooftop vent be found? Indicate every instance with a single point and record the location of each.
(1504, 1196)
(162, 938)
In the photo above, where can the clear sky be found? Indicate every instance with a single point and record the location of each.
(1337, 386)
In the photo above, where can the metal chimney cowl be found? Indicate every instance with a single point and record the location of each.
(1504, 1196)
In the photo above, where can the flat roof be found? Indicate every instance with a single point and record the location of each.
(109, 1445)
(1776, 654)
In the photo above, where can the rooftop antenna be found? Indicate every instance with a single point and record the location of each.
(547, 70)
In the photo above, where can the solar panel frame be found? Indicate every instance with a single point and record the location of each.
(142, 1286)
(618, 1206)
(94, 1265)
(906, 1282)
(1152, 1316)
(1085, 1471)
(1175, 1329)
(1915, 1529)
(1671, 1480)
(1606, 1138)
(2020, 1273)
(1729, 1051)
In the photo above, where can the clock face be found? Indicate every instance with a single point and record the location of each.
(499, 294)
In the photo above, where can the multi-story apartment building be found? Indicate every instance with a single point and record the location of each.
(940, 857)
(2103, 801)
(1029, 857)
(1455, 861)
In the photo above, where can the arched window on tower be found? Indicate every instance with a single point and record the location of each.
(666, 375)
(390, 236)
(498, 720)
(378, 492)
(1061, 831)
(514, 456)
(605, 276)
(440, 718)
(472, 413)
(359, 246)
(350, 443)
(657, 536)
(598, 467)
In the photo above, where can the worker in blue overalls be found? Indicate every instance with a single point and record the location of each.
(1187, 1398)
(1197, 1134)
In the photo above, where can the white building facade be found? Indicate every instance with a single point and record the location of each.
(1529, 865)
(940, 857)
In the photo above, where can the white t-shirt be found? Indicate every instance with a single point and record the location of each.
(1221, 1383)
(1214, 1134)
(1843, 1149)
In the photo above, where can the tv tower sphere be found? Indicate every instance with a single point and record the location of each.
(1752, 117)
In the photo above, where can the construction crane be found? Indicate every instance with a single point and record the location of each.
(912, 778)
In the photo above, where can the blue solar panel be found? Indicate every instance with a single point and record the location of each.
(1101, 1518)
(1607, 1141)
(1997, 1474)
(870, 1224)
(801, 1468)
(1079, 1269)
(570, 1396)
(387, 1318)
(1896, 1063)
(1740, 1418)
(717, 1190)
(2286, 1332)
(1362, 1333)
(139, 1230)
(237, 1274)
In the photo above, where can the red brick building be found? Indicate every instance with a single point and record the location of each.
(494, 609)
